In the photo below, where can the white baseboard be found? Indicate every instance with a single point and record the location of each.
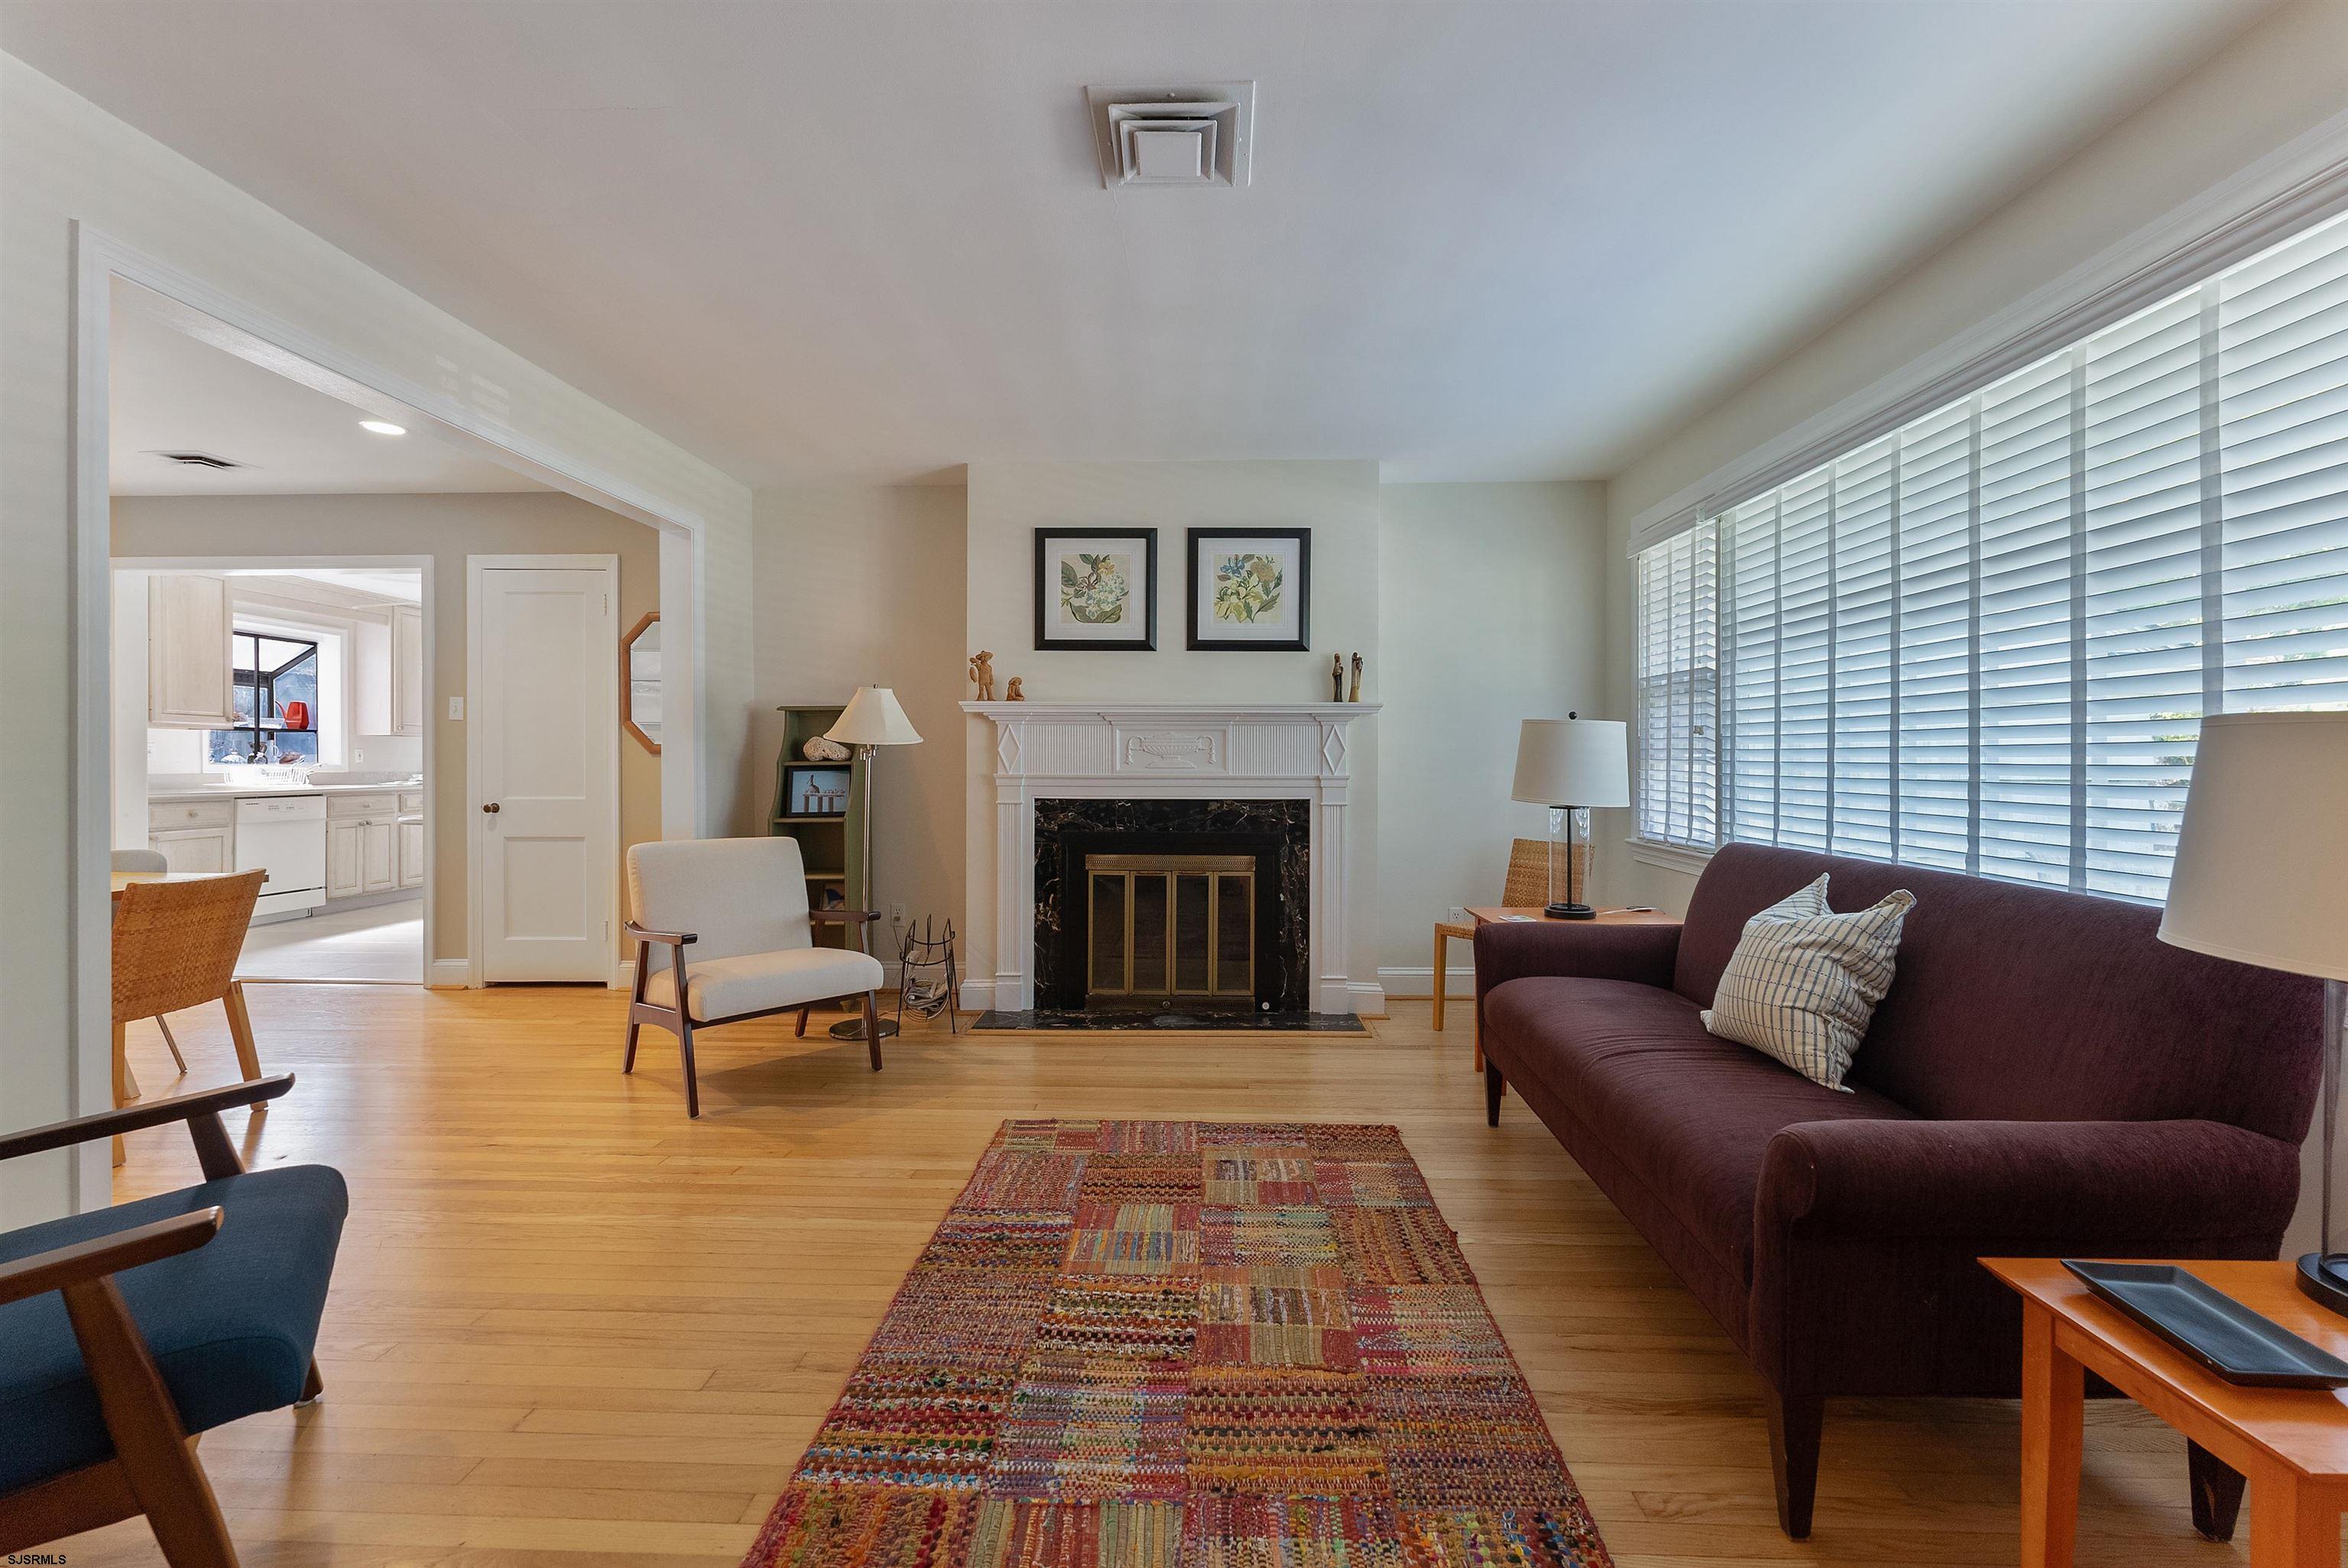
(1418, 983)
(977, 996)
(624, 975)
(1368, 998)
(450, 975)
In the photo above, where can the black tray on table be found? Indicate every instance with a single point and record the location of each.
(2228, 1339)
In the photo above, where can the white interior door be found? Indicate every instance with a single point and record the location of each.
(544, 729)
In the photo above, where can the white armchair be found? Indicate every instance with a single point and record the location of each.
(731, 915)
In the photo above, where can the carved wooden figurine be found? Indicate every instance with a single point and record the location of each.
(1012, 693)
(1357, 680)
(1336, 677)
(982, 670)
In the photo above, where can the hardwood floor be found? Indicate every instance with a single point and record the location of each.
(571, 1327)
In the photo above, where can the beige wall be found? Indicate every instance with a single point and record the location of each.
(62, 159)
(2282, 80)
(447, 528)
(1492, 602)
(864, 585)
(1473, 605)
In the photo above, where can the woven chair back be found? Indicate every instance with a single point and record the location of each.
(1528, 881)
(175, 943)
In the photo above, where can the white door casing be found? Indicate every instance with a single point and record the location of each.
(543, 746)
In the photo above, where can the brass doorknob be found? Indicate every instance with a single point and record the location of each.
(491, 808)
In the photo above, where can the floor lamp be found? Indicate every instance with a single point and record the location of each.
(2261, 877)
(872, 719)
(1570, 764)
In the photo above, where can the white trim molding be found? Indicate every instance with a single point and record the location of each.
(1174, 750)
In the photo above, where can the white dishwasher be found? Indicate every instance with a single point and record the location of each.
(285, 836)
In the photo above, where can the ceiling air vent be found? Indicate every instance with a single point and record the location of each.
(200, 459)
(1174, 136)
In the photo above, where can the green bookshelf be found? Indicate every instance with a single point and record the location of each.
(831, 842)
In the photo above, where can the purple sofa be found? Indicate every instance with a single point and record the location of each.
(2045, 1078)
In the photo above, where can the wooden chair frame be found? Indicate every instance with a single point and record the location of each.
(678, 1020)
(154, 1470)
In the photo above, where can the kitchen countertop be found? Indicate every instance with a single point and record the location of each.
(238, 792)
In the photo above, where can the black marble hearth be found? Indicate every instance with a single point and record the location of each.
(1277, 832)
(990, 1021)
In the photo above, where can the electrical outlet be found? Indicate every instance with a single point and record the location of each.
(457, 709)
(896, 913)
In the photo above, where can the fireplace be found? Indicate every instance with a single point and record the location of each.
(1277, 774)
(1202, 906)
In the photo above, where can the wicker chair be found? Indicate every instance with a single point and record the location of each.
(175, 946)
(1526, 886)
(154, 862)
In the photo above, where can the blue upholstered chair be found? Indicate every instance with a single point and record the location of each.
(124, 1330)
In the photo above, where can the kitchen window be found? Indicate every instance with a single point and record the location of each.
(1986, 640)
(275, 676)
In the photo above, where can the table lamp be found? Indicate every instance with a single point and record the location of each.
(872, 719)
(1568, 765)
(2261, 877)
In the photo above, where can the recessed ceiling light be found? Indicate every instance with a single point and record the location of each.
(383, 427)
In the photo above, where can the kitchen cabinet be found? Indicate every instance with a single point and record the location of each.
(407, 694)
(379, 855)
(362, 844)
(196, 849)
(344, 876)
(411, 852)
(387, 674)
(189, 622)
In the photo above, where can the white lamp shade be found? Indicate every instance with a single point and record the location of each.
(873, 717)
(2262, 874)
(1573, 761)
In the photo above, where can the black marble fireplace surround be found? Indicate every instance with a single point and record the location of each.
(1278, 833)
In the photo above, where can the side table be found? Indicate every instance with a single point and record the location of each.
(2289, 1444)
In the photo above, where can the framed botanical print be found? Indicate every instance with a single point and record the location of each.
(1251, 588)
(1096, 587)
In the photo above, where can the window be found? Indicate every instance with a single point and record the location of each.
(1986, 640)
(270, 671)
(1677, 646)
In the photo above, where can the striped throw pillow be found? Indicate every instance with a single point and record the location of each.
(1804, 980)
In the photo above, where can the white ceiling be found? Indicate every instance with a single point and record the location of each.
(167, 391)
(813, 240)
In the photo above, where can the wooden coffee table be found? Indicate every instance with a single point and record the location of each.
(2289, 1444)
(1515, 913)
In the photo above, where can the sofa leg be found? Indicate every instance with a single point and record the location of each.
(1494, 1087)
(1795, 1421)
(2217, 1494)
(873, 1028)
(314, 1387)
(628, 1052)
(685, 1051)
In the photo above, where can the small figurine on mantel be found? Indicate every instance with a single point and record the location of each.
(982, 670)
(1012, 693)
(1336, 677)
(1356, 696)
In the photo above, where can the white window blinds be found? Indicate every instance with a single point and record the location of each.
(1678, 654)
(1986, 640)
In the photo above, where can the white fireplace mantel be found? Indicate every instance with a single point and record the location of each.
(1172, 751)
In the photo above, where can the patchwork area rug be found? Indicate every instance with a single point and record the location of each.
(1186, 1345)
